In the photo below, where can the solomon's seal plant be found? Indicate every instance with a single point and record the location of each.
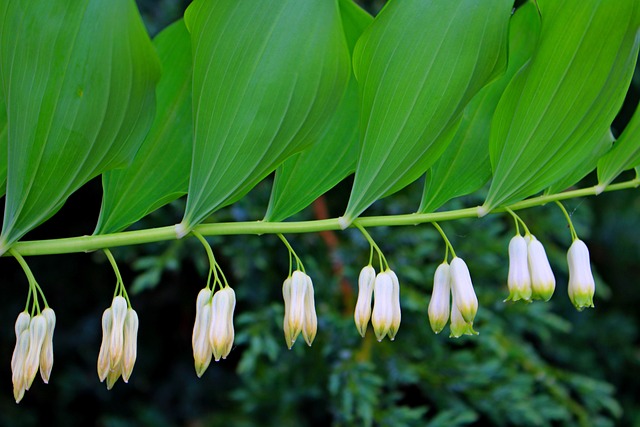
(513, 106)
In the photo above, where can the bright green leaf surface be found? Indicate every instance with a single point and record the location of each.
(159, 173)
(304, 177)
(3, 144)
(553, 115)
(79, 80)
(625, 153)
(464, 166)
(267, 77)
(418, 65)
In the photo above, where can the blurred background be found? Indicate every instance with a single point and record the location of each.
(541, 364)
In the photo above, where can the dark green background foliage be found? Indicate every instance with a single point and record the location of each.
(532, 365)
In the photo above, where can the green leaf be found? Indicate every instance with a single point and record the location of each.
(3, 144)
(79, 80)
(304, 177)
(266, 78)
(585, 165)
(418, 65)
(464, 166)
(553, 115)
(159, 173)
(624, 155)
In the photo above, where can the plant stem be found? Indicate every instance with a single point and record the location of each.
(574, 235)
(446, 241)
(97, 242)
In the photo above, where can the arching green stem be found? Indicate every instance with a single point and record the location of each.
(213, 265)
(574, 235)
(299, 264)
(446, 241)
(120, 289)
(34, 288)
(518, 219)
(384, 265)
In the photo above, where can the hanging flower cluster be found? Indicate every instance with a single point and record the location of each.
(453, 301)
(118, 350)
(213, 331)
(34, 338)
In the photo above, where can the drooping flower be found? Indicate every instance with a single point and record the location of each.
(582, 287)
(200, 337)
(464, 296)
(310, 325)
(130, 344)
(20, 355)
(543, 283)
(519, 279)
(362, 313)
(384, 306)
(440, 298)
(103, 355)
(118, 349)
(221, 332)
(459, 326)
(46, 355)
(396, 313)
(299, 308)
(37, 334)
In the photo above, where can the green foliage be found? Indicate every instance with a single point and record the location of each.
(624, 155)
(558, 110)
(160, 172)
(265, 79)
(418, 65)
(80, 98)
(464, 166)
(304, 177)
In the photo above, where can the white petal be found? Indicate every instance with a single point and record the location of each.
(464, 296)
(440, 298)
(362, 313)
(519, 280)
(582, 287)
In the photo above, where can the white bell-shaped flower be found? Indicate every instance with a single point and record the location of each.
(310, 325)
(46, 355)
(116, 342)
(519, 279)
(543, 282)
(396, 313)
(37, 334)
(103, 355)
(130, 344)
(459, 326)
(440, 298)
(582, 287)
(221, 332)
(383, 305)
(362, 312)
(464, 296)
(20, 355)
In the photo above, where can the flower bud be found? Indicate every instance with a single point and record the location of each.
(440, 298)
(286, 295)
(113, 375)
(464, 297)
(21, 325)
(18, 362)
(582, 287)
(459, 326)
(395, 305)
(204, 297)
(382, 315)
(519, 280)
(221, 331)
(296, 308)
(362, 312)
(103, 356)
(543, 283)
(202, 347)
(46, 356)
(130, 344)
(116, 343)
(310, 326)
(37, 333)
